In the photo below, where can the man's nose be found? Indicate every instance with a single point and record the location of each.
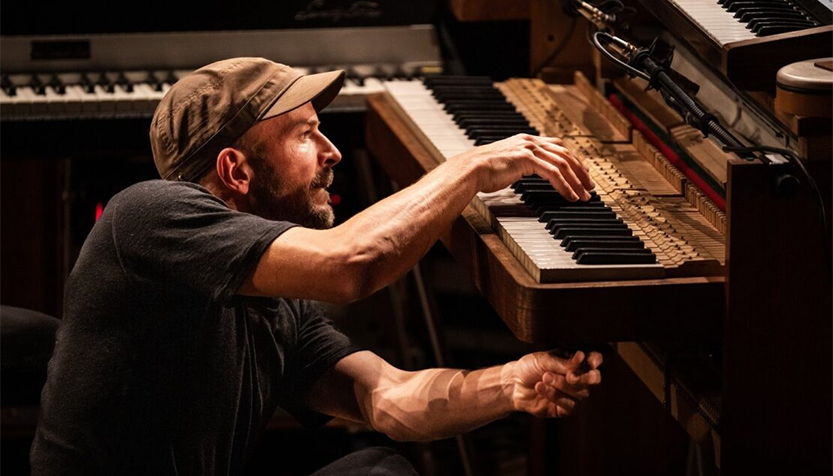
(330, 154)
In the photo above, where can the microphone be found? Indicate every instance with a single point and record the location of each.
(592, 13)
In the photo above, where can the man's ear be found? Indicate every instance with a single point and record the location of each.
(234, 170)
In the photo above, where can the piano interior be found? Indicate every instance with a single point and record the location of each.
(703, 276)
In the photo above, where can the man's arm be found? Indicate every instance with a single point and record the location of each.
(438, 403)
(381, 243)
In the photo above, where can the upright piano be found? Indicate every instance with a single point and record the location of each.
(709, 281)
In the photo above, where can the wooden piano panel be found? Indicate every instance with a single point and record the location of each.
(687, 309)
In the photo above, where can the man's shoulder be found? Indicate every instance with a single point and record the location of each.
(156, 189)
(158, 195)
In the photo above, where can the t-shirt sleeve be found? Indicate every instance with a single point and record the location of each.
(180, 234)
(319, 347)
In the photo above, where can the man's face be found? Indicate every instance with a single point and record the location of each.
(292, 163)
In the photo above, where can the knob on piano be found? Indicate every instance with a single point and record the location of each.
(805, 88)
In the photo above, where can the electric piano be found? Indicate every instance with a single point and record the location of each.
(716, 258)
(749, 41)
(90, 77)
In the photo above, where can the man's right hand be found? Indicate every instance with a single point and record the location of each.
(503, 162)
(549, 386)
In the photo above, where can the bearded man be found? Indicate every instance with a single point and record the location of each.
(190, 313)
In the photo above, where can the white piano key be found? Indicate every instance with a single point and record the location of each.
(714, 20)
(55, 103)
(26, 99)
(86, 101)
(73, 101)
(7, 105)
(146, 98)
(125, 102)
(106, 101)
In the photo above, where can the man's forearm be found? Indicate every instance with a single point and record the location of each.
(440, 403)
(391, 236)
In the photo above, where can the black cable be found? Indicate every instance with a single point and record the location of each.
(822, 213)
(558, 49)
(631, 70)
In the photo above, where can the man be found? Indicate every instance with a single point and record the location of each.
(188, 315)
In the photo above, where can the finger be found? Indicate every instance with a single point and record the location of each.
(580, 381)
(561, 384)
(551, 362)
(576, 385)
(594, 360)
(546, 391)
(552, 173)
(561, 160)
(575, 361)
(564, 405)
(579, 168)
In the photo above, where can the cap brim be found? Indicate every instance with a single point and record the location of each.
(319, 88)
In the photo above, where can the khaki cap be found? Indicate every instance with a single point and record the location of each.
(209, 109)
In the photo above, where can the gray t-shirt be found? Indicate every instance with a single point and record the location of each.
(159, 368)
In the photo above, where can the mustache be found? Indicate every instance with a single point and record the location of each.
(323, 179)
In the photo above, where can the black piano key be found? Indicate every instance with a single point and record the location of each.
(756, 23)
(555, 225)
(442, 89)
(580, 221)
(600, 242)
(579, 207)
(105, 83)
(617, 257)
(172, 79)
(541, 196)
(591, 232)
(631, 251)
(530, 179)
(522, 187)
(56, 84)
(489, 139)
(502, 128)
(124, 83)
(37, 85)
(154, 82)
(8, 86)
(733, 5)
(546, 212)
(536, 198)
(439, 80)
(493, 121)
(444, 97)
(748, 14)
(751, 6)
(352, 75)
(568, 241)
(380, 73)
(476, 132)
(87, 84)
(588, 214)
(796, 23)
(454, 106)
(774, 29)
(487, 114)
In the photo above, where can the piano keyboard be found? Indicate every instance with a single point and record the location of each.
(728, 21)
(136, 93)
(622, 233)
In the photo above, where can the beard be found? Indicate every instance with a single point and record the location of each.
(269, 201)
